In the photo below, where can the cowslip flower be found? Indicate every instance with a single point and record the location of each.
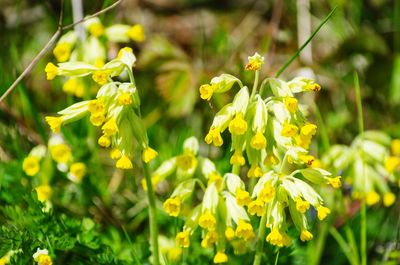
(118, 119)
(41, 256)
(367, 160)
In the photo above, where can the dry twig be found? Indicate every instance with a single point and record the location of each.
(51, 42)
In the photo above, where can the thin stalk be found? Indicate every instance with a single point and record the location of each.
(152, 214)
(363, 213)
(277, 258)
(283, 68)
(255, 85)
(236, 169)
(260, 239)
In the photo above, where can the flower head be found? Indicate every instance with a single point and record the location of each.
(124, 163)
(182, 239)
(54, 123)
(172, 206)
(220, 257)
(51, 71)
(149, 154)
(255, 62)
(31, 165)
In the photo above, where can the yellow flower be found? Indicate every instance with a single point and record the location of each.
(42, 257)
(392, 163)
(136, 33)
(237, 159)
(267, 193)
(388, 199)
(244, 230)
(97, 119)
(45, 260)
(214, 137)
(256, 207)
(78, 170)
(125, 98)
(372, 198)
(101, 76)
(96, 106)
(395, 146)
(210, 238)
(54, 123)
(318, 164)
(220, 257)
(182, 239)
(206, 91)
(242, 197)
(255, 62)
(124, 163)
(43, 192)
(62, 51)
(255, 172)
(305, 235)
(335, 182)
(186, 161)
(110, 127)
(291, 104)
(308, 130)
(258, 141)
(31, 165)
(302, 206)
(149, 154)
(271, 159)
(229, 233)
(289, 130)
(96, 29)
(308, 159)
(238, 125)
(4, 260)
(207, 221)
(322, 212)
(276, 238)
(61, 153)
(115, 154)
(303, 141)
(312, 86)
(172, 206)
(104, 141)
(51, 71)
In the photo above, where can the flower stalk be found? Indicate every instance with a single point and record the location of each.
(152, 215)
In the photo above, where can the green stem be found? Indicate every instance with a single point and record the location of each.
(261, 239)
(277, 258)
(152, 214)
(363, 213)
(283, 68)
(255, 85)
(236, 169)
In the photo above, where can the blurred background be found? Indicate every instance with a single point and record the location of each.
(187, 43)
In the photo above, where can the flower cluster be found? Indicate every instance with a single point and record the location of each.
(38, 163)
(115, 109)
(211, 215)
(367, 166)
(91, 49)
(274, 135)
